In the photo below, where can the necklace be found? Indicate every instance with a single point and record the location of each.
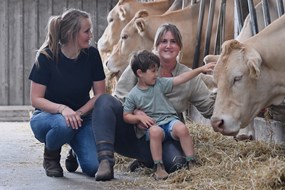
(69, 54)
(165, 73)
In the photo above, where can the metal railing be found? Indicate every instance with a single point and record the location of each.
(221, 23)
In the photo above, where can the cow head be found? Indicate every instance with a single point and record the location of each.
(239, 89)
(132, 39)
(117, 18)
(120, 16)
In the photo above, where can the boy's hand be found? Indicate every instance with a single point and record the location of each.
(145, 122)
(208, 67)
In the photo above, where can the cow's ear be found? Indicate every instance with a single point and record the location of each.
(140, 25)
(211, 58)
(122, 13)
(120, 2)
(254, 63)
(141, 14)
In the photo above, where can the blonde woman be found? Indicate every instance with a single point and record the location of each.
(65, 70)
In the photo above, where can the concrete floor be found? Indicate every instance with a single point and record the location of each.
(21, 168)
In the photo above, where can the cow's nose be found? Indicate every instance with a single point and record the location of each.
(217, 124)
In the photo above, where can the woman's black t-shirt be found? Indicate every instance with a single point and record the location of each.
(69, 81)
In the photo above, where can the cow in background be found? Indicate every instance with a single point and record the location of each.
(120, 15)
(139, 33)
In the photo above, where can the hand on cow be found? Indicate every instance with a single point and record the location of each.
(208, 68)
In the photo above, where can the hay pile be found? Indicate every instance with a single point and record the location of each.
(226, 164)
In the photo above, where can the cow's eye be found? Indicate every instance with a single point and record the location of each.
(237, 78)
(110, 20)
(124, 37)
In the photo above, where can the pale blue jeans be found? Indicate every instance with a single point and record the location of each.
(52, 130)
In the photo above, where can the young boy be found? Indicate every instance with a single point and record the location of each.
(161, 120)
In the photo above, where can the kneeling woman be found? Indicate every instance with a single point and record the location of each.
(65, 71)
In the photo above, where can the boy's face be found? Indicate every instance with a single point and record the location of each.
(150, 76)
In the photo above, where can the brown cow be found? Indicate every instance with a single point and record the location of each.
(179, 4)
(120, 15)
(139, 33)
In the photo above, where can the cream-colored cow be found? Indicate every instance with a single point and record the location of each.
(139, 33)
(249, 77)
(120, 15)
(248, 132)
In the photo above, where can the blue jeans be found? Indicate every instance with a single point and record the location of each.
(109, 126)
(52, 130)
(167, 130)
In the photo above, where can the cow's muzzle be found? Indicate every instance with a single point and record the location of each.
(217, 124)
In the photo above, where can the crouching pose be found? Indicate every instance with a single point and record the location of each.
(113, 134)
(65, 70)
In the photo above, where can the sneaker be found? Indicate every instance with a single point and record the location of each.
(192, 163)
(160, 173)
(135, 165)
(71, 161)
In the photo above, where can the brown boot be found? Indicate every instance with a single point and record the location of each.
(105, 152)
(105, 171)
(51, 163)
(160, 173)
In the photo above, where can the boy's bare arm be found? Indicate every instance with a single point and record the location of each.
(130, 118)
(184, 77)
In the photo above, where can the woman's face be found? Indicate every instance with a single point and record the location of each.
(85, 34)
(168, 49)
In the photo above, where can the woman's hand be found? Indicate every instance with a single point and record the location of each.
(72, 118)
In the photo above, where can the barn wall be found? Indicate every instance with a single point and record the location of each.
(23, 30)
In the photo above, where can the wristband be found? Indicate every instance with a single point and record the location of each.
(60, 111)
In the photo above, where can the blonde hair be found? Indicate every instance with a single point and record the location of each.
(61, 29)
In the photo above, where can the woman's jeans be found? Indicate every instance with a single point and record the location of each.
(109, 126)
(52, 130)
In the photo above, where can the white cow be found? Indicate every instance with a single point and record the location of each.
(249, 76)
(120, 15)
(140, 31)
(248, 132)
